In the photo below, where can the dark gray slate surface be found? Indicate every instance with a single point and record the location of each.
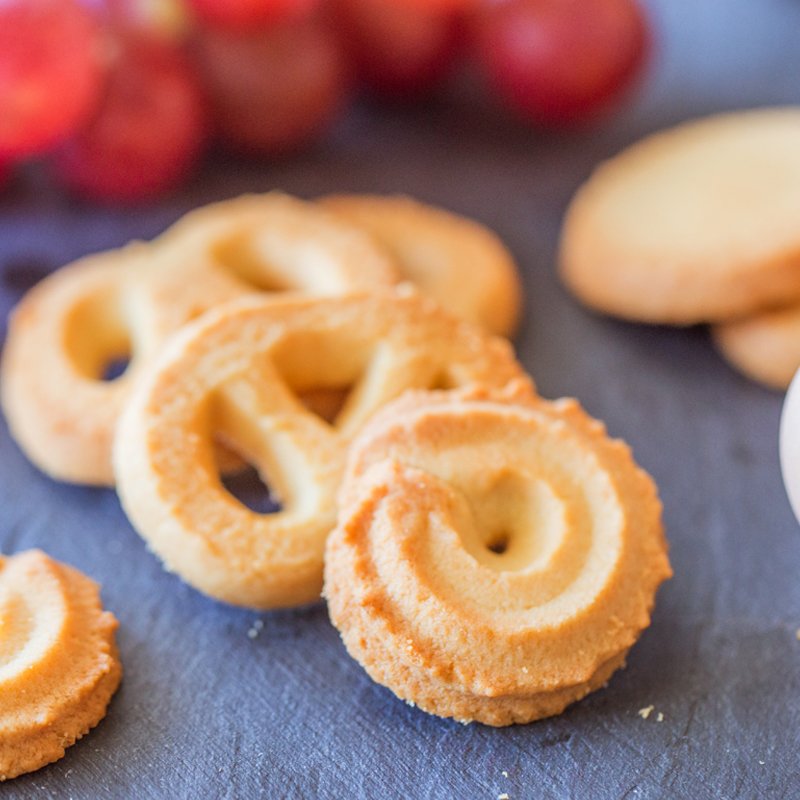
(206, 711)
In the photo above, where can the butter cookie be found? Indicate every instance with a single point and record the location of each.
(694, 224)
(243, 374)
(496, 555)
(457, 261)
(765, 347)
(58, 660)
(121, 306)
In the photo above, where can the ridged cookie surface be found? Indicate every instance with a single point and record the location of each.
(58, 660)
(496, 555)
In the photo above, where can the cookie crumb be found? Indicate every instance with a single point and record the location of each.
(504, 774)
(761, 762)
(644, 713)
(256, 628)
(660, 717)
(797, 634)
(503, 796)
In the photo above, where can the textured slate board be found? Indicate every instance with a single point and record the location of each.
(206, 711)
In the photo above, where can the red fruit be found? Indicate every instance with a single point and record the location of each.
(561, 61)
(50, 72)
(243, 14)
(400, 49)
(156, 19)
(441, 5)
(149, 129)
(273, 91)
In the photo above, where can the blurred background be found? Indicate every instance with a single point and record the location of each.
(118, 116)
(121, 102)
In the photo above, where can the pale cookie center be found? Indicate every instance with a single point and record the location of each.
(271, 261)
(16, 627)
(27, 632)
(519, 521)
(238, 255)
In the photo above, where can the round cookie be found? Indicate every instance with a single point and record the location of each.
(124, 304)
(58, 660)
(694, 224)
(765, 347)
(496, 555)
(251, 374)
(457, 261)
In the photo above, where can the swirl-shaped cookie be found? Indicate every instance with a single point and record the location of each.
(58, 660)
(238, 374)
(496, 554)
(124, 304)
(460, 263)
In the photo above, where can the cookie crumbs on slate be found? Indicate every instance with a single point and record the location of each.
(644, 713)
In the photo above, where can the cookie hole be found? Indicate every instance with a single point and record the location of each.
(517, 520)
(97, 339)
(247, 486)
(280, 258)
(326, 403)
(499, 543)
(115, 368)
(443, 382)
(239, 256)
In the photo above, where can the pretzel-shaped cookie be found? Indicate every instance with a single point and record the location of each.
(126, 303)
(58, 660)
(496, 555)
(237, 373)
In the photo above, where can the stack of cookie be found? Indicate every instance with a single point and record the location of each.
(494, 555)
(699, 224)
